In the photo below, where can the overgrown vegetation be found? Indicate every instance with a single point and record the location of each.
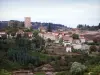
(23, 53)
(20, 52)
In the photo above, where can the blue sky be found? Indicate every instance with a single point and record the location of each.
(67, 12)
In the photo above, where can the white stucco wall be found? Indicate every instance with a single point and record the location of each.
(68, 49)
(85, 47)
(66, 43)
(82, 40)
(77, 46)
(60, 36)
(76, 41)
(47, 36)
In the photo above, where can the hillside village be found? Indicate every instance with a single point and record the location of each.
(63, 39)
(68, 41)
(49, 37)
(53, 51)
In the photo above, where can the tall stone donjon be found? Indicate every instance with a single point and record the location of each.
(27, 22)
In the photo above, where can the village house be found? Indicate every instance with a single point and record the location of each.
(57, 39)
(48, 35)
(89, 38)
(75, 30)
(3, 34)
(91, 32)
(76, 41)
(85, 47)
(42, 29)
(60, 35)
(77, 46)
(82, 39)
(29, 34)
(21, 32)
(97, 37)
(67, 40)
(24, 34)
(99, 30)
(68, 48)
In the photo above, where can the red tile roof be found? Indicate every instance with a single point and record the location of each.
(66, 38)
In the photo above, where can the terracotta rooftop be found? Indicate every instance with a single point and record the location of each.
(66, 38)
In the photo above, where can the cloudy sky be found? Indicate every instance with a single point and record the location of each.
(67, 12)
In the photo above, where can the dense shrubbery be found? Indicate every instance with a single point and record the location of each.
(4, 72)
(16, 52)
(77, 69)
(79, 51)
(21, 52)
(95, 70)
(92, 43)
(89, 61)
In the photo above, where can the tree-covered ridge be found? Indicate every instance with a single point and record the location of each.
(35, 25)
(87, 27)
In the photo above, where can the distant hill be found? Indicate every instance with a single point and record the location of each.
(36, 25)
(3, 24)
(87, 27)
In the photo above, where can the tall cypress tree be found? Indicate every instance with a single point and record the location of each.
(49, 29)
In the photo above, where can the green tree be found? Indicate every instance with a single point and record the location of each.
(4, 72)
(75, 36)
(11, 30)
(80, 26)
(93, 48)
(49, 29)
(35, 32)
(77, 69)
(13, 23)
(39, 42)
(21, 52)
(20, 24)
(95, 70)
(61, 41)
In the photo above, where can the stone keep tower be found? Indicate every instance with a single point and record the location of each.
(27, 22)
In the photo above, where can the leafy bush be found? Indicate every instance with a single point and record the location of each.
(93, 60)
(95, 70)
(75, 36)
(4, 72)
(93, 48)
(77, 69)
